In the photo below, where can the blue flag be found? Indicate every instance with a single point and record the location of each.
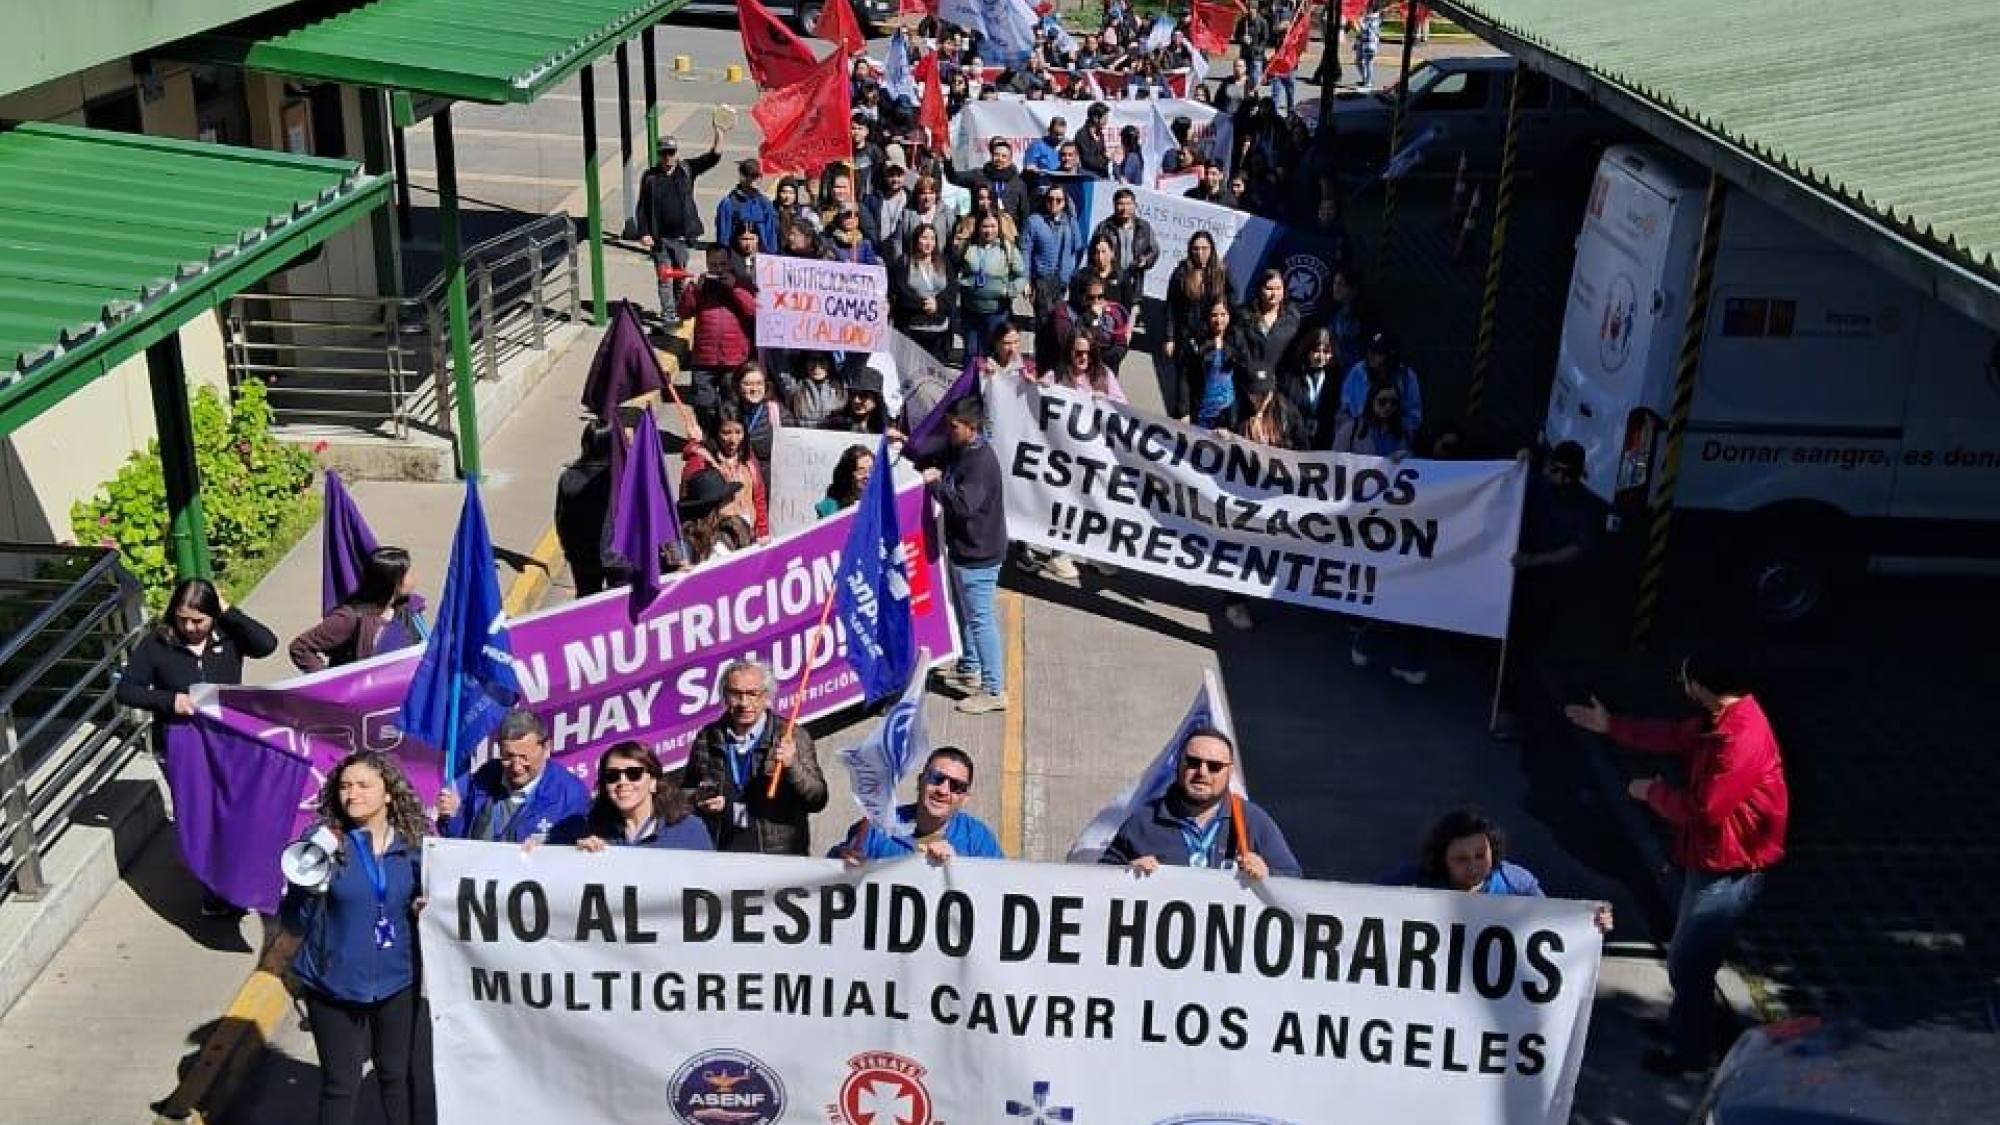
(872, 590)
(897, 81)
(465, 682)
(878, 765)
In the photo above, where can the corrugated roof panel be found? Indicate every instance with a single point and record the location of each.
(109, 242)
(1889, 104)
(478, 50)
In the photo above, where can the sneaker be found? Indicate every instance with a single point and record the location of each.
(981, 704)
(1360, 658)
(1062, 568)
(1238, 614)
(1415, 677)
(960, 680)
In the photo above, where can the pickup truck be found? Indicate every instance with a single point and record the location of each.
(1461, 104)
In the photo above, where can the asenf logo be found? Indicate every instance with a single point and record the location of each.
(726, 1088)
(1305, 280)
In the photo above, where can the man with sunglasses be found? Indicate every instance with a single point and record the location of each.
(729, 771)
(514, 797)
(934, 825)
(1191, 824)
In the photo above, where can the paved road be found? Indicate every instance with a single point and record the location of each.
(1350, 762)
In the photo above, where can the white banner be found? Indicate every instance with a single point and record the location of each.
(1421, 542)
(802, 463)
(811, 305)
(1022, 121)
(1246, 242)
(707, 988)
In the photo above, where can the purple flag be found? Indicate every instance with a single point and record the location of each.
(927, 438)
(624, 367)
(236, 798)
(643, 519)
(347, 543)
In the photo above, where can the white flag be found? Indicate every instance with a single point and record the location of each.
(1412, 154)
(1209, 709)
(1197, 68)
(1159, 142)
(878, 765)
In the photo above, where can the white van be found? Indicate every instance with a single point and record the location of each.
(1853, 417)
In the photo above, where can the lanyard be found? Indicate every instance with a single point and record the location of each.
(1200, 841)
(650, 827)
(739, 762)
(378, 881)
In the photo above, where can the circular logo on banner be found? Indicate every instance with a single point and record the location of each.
(726, 1088)
(882, 1089)
(1305, 280)
(1614, 334)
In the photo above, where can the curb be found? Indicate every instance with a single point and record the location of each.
(1013, 736)
(232, 1049)
(526, 591)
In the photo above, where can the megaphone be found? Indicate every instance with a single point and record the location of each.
(308, 863)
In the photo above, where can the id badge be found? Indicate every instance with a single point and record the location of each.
(385, 933)
(739, 814)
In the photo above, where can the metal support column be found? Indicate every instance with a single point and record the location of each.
(455, 305)
(593, 206)
(1385, 249)
(402, 152)
(187, 531)
(375, 144)
(1503, 207)
(628, 195)
(650, 60)
(1646, 608)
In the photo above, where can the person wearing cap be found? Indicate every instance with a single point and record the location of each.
(1382, 365)
(669, 219)
(704, 495)
(1052, 246)
(1091, 143)
(968, 488)
(863, 412)
(882, 210)
(746, 203)
(1044, 154)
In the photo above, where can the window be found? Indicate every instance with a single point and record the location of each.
(1455, 93)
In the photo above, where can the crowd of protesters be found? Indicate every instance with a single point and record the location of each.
(974, 257)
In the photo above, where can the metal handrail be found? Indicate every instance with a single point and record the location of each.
(517, 280)
(53, 753)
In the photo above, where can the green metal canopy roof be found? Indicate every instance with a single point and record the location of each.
(492, 51)
(109, 242)
(1891, 108)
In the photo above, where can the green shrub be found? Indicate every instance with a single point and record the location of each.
(256, 494)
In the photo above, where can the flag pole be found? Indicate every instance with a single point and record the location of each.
(1236, 819)
(805, 681)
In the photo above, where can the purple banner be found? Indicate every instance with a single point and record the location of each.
(597, 676)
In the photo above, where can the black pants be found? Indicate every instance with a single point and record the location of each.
(348, 1035)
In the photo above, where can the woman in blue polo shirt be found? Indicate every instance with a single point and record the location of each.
(637, 806)
(1464, 851)
(357, 948)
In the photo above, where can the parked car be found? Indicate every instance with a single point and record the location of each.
(1938, 1070)
(1460, 104)
(802, 14)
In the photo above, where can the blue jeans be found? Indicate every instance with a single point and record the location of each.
(1288, 85)
(972, 590)
(1366, 65)
(1711, 907)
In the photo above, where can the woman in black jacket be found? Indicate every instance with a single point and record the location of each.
(923, 286)
(1267, 322)
(200, 639)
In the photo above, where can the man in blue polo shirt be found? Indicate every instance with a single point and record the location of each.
(514, 797)
(936, 826)
(1190, 826)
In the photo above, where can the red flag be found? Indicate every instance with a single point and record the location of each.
(916, 7)
(777, 57)
(1286, 60)
(837, 25)
(805, 124)
(932, 116)
(1212, 27)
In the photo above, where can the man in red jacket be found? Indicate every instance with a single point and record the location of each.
(1729, 828)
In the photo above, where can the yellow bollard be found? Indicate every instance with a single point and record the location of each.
(682, 64)
(732, 73)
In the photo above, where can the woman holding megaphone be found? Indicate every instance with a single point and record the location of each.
(352, 898)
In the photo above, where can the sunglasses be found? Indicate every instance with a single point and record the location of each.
(939, 777)
(611, 775)
(1210, 765)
